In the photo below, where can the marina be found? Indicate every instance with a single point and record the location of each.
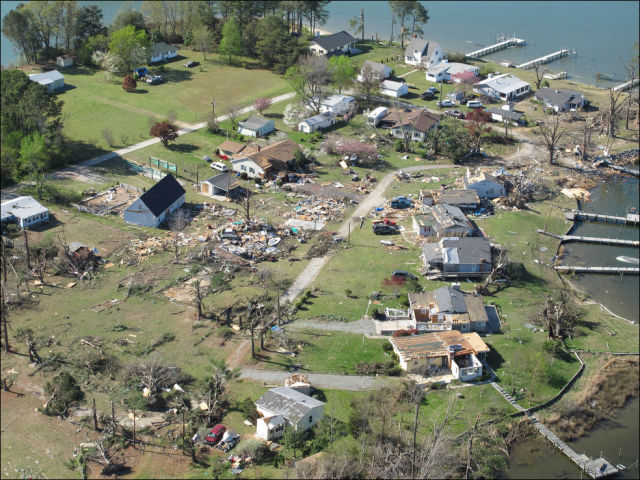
(546, 59)
(510, 42)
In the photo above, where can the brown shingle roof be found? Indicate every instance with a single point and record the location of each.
(421, 120)
(231, 147)
(276, 153)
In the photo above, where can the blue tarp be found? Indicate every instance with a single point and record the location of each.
(275, 328)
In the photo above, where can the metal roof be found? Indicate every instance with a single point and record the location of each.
(505, 83)
(22, 207)
(46, 78)
(255, 123)
(287, 402)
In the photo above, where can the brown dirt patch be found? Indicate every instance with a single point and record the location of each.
(149, 462)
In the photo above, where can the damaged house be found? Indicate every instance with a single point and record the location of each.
(268, 161)
(485, 184)
(457, 257)
(417, 121)
(444, 221)
(465, 199)
(155, 206)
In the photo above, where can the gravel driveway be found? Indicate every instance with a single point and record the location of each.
(359, 326)
(352, 383)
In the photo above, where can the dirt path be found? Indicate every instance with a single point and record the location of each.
(354, 383)
(241, 352)
(313, 269)
(359, 326)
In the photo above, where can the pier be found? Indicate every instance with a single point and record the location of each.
(598, 240)
(555, 76)
(579, 269)
(630, 219)
(546, 59)
(510, 42)
(627, 85)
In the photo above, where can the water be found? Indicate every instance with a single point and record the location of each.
(618, 294)
(602, 33)
(615, 439)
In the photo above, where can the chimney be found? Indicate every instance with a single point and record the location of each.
(456, 286)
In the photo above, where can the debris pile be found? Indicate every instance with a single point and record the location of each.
(315, 209)
(110, 201)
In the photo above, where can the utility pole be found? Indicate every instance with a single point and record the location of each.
(213, 107)
(95, 415)
(134, 429)
(349, 233)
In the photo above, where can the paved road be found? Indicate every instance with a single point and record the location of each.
(353, 383)
(310, 273)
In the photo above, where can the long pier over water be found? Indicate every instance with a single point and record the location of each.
(511, 42)
(599, 240)
(629, 219)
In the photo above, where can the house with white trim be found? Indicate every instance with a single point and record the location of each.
(25, 211)
(161, 52)
(338, 104)
(157, 204)
(561, 100)
(457, 257)
(485, 184)
(379, 71)
(442, 72)
(394, 89)
(423, 52)
(283, 408)
(317, 122)
(341, 43)
(502, 87)
(52, 79)
(268, 161)
(256, 126)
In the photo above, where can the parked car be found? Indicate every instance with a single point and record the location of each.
(191, 64)
(427, 95)
(433, 90)
(403, 274)
(207, 158)
(215, 434)
(382, 229)
(154, 79)
(446, 103)
(401, 202)
(454, 113)
(474, 104)
(221, 167)
(386, 221)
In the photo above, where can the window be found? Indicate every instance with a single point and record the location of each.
(310, 418)
(251, 170)
(243, 167)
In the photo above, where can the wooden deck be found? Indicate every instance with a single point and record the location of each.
(512, 42)
(580, 269)
(598, 240)
(630, 219)
(545, 59)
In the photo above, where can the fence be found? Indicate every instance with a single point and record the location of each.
(150, 172)
(163, 164)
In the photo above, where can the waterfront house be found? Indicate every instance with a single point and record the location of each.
(459, 354)
(443, 71)
(52, 79)
(341, 43)
(282, 408)
(465, 199)
(485, 184)
(457, 257)
(448, 308)
(423, 52)
(161, 52)
(268, 161)
(379, 71)
(256, 126)
(394, 89)
(157, 204)
(317, 122)
(502, 87)
(507, 113)
(561, 100)
(25, 211)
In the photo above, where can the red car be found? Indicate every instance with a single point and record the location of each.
(215, 434)
(386, 221)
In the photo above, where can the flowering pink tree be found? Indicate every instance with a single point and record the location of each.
(465, 78)
(337, 145)
(261, 104)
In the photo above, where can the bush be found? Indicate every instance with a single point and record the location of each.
(66, 391)
(554, 347)
(387, 347)
(398, 145)
(224, 332)
(256, 449)
(243, 175)
(248, 408)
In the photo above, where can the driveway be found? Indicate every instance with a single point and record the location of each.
(359, 326)
(354, 383)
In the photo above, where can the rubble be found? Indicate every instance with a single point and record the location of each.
(113, 200)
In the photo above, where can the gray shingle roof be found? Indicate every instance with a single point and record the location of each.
(450, 300)
(506, 114)
(336, 40)
(161, 48)
(287, 402)
(419, 44)
(557, 97)
(374, 66)
(254, 123)
(470, 250)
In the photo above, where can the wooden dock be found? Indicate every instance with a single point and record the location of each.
(630, 219)
(596, 468)
(546, 59)
(555, 76)
(511, 42)
(580, 269)
(598, 240)
(627, 85)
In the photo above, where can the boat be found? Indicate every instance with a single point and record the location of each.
(624, 258)
(274, 241)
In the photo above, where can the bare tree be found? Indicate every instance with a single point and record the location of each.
(560, 315)
(525, 185)
(233, 110)
(247, 204)
(539, 71)
(26, 335)
(369, 84)
(631, 75)
(284, 341)
(551, 134)
(5, 315)
(176, 223)
(153, 374)
(214, 388)
(612, 111)
(587, 130)
(309, 79)
(199, 293)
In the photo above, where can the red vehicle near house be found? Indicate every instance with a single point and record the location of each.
(386, 221)
(215, 434)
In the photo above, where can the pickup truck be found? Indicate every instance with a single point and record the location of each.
(401, 202)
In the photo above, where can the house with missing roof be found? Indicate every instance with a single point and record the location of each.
(461, 354)
(267, 161)
(161, 52)
(502, 87)
(157, 204)
(341, 43)
(465, 199)
(282, 408)
(423, 52)
(417, 121)
(485, 184)
(457, 257)
(229, 148)
(52, 79)
(256, 126)
(448, 308)
(25, 211)
(561, 100)
(378, 71)
(446, 221)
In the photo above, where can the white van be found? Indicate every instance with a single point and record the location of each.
(219, 166)
(474, 104)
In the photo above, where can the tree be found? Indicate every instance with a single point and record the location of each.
(309, 79)
(261, 104)
(233, 110)
(231, 43)
(247, 204)
(402, 10)
(203, 40)
(357, 24)
(551, 134)
(539, 71)
(130, 47)
(62, 390)
(342, 71)
(33, 159)
(176, 223)
(611, 111)
(69, 22)
(559, 315)
(214, 388)
(89, 22)
(477, 127)
(420, 16)
(294, 441)
(17, 26)
(275, 47)
(369, 84)
(129, 84)
(165, 131)
(316, 12)
(152, 374)
(127, 16)
(45, 20)
(466, 79)
(454, 139)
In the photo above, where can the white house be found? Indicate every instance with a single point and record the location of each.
(64, 61)
(506, 113)
(155, 206)
(53, 80)
(256, 126)
(442, 72)
(337, 104)
(422, 225)
(561, 100)
(377, 114)
(503, 87)
(394, 89)
(317, 122)
(458, 257)
(25, 211)
(378, 71)
(341, 43)
(162, 51)
(284, 407)
(423, 52)
(485, 184)
(267, 161)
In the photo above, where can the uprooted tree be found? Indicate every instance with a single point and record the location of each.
(559, 315)
(153, 374)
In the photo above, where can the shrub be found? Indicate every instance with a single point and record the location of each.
(387, 347)
(248, 408)
(243, 175)
(398, 145)
(129, 84)
(66, 390)
(554, 347)
(256, 449)
(224, 332)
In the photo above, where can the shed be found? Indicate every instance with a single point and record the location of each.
(256, 126)
(394, 89)
(317, 122)
(300, 411)
(64, 61)
(156, 205)
(222, 184)
(53, 80)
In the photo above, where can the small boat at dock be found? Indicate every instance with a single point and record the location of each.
(624, 258)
